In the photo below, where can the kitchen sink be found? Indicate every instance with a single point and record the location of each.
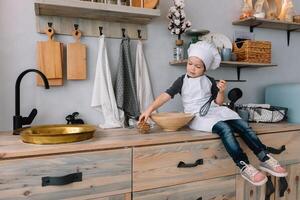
(57, 133)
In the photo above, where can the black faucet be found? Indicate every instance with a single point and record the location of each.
(19, 121)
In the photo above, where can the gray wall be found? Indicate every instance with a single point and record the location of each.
(18, 41)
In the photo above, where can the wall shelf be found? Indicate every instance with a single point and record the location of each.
(253, 22)
(90, 15)
(234, 64)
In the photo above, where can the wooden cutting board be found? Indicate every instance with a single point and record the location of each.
(49, 59)
(76, 59)
(150, 3)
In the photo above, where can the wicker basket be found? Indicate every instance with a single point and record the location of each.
(253, 51)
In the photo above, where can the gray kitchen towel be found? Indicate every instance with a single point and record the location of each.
(125, 85)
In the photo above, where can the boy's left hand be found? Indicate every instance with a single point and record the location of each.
(222, 85)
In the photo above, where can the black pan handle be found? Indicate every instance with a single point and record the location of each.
(182, 164)
(62, 180)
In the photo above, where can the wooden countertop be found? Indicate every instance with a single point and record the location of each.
(12, 147)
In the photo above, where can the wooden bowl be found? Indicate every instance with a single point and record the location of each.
(171, 121)
(296, 18)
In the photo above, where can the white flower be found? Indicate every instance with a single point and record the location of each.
(182, 14)
(178, 3)
(177, 14)
(188, 24)
(181, 6)
(172, 9)
(169, 16)
(176, 22)
(177, 31)
(183, 27)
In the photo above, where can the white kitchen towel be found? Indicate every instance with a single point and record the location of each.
(103, 97)
(143, 84)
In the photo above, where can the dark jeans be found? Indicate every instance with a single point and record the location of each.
(226, 130)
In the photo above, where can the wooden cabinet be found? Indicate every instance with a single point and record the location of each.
(219, 188)
(126, 196)
(289, 158)
(247, 191)
(122, 164)
(293, 190)
(157, 166)
(101, 174)
(275, 191)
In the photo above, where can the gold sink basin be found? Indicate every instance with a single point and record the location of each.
(57, 134)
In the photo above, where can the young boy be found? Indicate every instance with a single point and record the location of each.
(199, 96)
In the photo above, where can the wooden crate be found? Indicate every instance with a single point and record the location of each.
(253, 51)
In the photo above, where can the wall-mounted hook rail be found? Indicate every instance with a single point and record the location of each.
(91, 28)
(91, 15)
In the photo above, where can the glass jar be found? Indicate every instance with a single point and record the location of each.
(178, 51)
(125, 2)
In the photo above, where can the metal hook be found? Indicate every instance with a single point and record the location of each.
(50, 26)
(100, 30)
(139, 34)
(123, 32)
(76, 28)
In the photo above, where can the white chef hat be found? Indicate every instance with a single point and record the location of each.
(207, 52)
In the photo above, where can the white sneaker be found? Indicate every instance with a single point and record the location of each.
(273, 167)
(252, 175)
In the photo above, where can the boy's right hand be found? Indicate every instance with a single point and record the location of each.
(144, 117)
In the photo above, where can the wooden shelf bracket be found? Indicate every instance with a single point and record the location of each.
(253, 22)
(289, 34)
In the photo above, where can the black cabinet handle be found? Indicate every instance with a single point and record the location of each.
(181, 164)
(276, 151)
(283, 186)
(62, 180)
(269, 188)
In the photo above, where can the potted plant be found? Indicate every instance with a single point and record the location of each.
(178, 25)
